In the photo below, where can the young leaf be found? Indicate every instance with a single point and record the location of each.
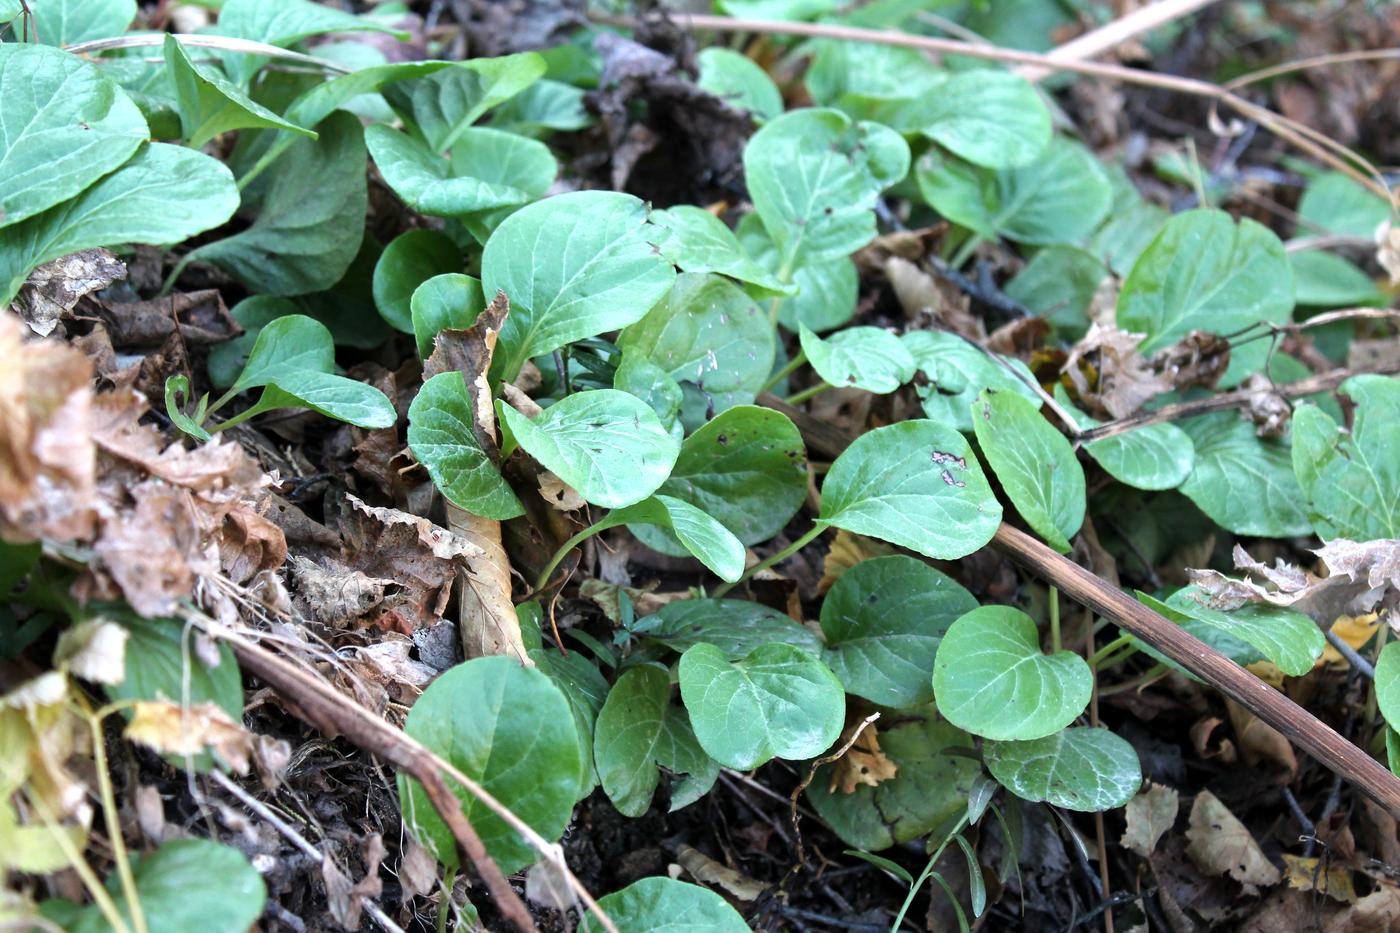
(408, 261)
(606, 444)
(442, 437)
(227, 359)
(663, 905)
(779, 701)
(64, 126)
(1205, 272)
(709, 335)
(1289, 639)
(1243, 483)
(639, 729)
(959, 371)
(872, 81)
(991, 678)
(1352, 483)
(310, 216)
(444, 104)
(293, 358)
(990, 118)
(698, 241)
(161, 664)
(1035, 464)
(1123, 237)
(1154, 456)
(929, 789)
(701, 535)
(486, 169)
(736, 627)
(814, 177)
(446, 301)
(747, 469)
(509, 728)
(882, 622)
(869, 358)
(639, 376)
(177, 387)
(573, 266)
(1081, 768)
(163, 194)
(1334, 203)
(1326, 280)
(827, 289)
(210, 104)
(916, 484)
(739, 82)
(542, 108)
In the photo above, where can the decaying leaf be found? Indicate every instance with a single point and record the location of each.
(346, 900)
(559, 494)
(1150, 814)
(1260, 742)
(54, 288)
(1125, 378)
(1221, 845)
(1309, 874)
(1377, 912)
(334, 593)
(547, 886)
(847, 550)
(95, 650)
(1354, 631)
(41, 734)
(708, 871)
(175, 730)
(863, 762)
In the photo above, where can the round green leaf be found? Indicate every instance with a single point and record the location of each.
(1353, 481)
(916, 484)
(739, 82)
(445, 103)
(747, 469)
(990, 118)
(1035, 463)
(1206, 272)
(991, 678)
(930, 788)
(869, 358)
(285, 347)
(407, 262)
(827, 289)
(1289, 639)
(735, 626)
(1242, 482)
(511, 730)
(66, 22)
(442, 437)
(1083, 768)
(487, 169)
(638, 729)
(1388, 683)
(698, 241)
(698, 533)
(573, 266)
(958, 371)
(64, 126)
(883, 621)
(449, 300)
(606, 444)
(662, 905)
(778, 702)
(1326, 280)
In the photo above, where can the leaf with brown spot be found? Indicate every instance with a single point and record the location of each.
(52, 290)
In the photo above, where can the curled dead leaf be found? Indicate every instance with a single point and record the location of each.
(175, 730)
(53, 289)
(95, 650)
(862, 764)
(1309, 874)
(708, 871)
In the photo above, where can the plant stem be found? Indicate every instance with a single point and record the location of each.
(109, 816)
(564, 550)
(1097, 658)
(924, 875)
(449, 877)
(95, 889)
(777, 558)
(1054, 618)
(798, 398)
(783, 373)
(965, 252)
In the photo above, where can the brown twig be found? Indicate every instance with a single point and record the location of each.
(1297, 724)
(1114, 33)
(812, 772)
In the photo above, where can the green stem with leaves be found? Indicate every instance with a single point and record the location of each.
(767, 562)
(602, 524)
(925, 874)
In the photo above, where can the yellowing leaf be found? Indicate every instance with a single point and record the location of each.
(847, 550)
(1355, 631)
(175, 730)
(1220, 844)
(94, 650)
(1307, 874)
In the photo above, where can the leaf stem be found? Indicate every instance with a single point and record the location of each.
(965, 252)
(1098, 657)
(449, 878)
(1054, 618)
(109, 815)
(95, 889)
(783, 373)
(777, 558)
(799, 397)
(565, 548)
(924, 875)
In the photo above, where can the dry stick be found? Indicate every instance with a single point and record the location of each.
(1097, 41)
(330, 711)
(1303, 138)
(1297, 724)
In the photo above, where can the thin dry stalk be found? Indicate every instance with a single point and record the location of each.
(1112, 34)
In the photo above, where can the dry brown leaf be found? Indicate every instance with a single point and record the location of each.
(846, 551)
(1109, 375)
(200, 318)
(94, 649)
(559, 494)
(174, 730)
(418, 872)
(708, 871)
(548, 886)
(346, 900)
(388, 664)
(1388, 251)
(1260, 742)
(1221, 845)
(51, 291)
(1377, 912)
(151, 549)
(1150, 814)
(863, 763)
(336, 594)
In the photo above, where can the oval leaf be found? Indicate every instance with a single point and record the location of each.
(449, 300)
(735, 626)
(663, 905)
(1243, 482)
(442, 437)
(706, 539)
(868, 358)
(1289, 639)
(959, 370)
(1085, 769)
(408, 261)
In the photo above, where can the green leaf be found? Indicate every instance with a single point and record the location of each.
(739, 82)
(916, 484)
(310, 217)
(63, 125)
(448, 301)
(210, 104)
(443, 104)
(161, 663)
(1353, 482)
(231, 892)
(882, 622)
(573, 266)
(707, 333)
(662, 905)
(487, 169)
(1083, 768)
(1121, 240)
(1335, 204)
(1221, 639)
(585, 689)
(990, 118)
(408, 261)
(1059, 197)
(177, 387)
(293, 357)
(958, 371)
(991, 678)
(930, 788)
(859, 77)
(1291, 640)
(869, 358)
(747, 469)
(777, 702)
(710, 542)
(639, 376)
(511, 730)
(735, 626)
(639, 729)
(541, 108)
(1205, 272)
(227, 359)
(814, 177)
(1326, 280)
(163, 194)
(1059, 284)
(442, 436)
(1154, 456)
(698, 241)
(1035, 463)
(606, 444)
(1243, 483)
(1388, 683)
(282, 24)
(827, 289)
(66, 22)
